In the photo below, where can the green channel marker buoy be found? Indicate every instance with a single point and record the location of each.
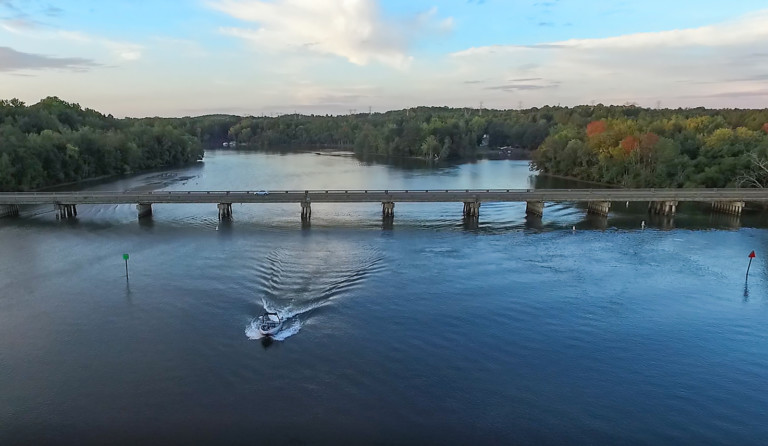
(125, 257)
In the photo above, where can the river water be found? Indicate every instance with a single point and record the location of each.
(432, 330)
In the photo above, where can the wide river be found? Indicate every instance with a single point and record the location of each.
(430, 330)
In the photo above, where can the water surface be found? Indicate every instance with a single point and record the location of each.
(431, 330)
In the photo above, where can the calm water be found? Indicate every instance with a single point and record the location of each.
(433, 330)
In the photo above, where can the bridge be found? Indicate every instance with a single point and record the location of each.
(661, 201)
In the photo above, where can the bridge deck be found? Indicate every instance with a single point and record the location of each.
(364, 196)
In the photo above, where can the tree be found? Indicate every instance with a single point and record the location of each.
(430, 147)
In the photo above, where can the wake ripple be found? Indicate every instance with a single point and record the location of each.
(295, 285)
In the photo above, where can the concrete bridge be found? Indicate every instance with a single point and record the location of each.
(660, 201)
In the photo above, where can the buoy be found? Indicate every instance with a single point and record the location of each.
(574, 228)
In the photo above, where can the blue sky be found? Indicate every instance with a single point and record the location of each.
(175, 58)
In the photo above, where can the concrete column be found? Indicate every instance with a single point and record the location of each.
(306, 210)
(472, 209)
(145, 209)
(65, 211)
(535, 208)
(663, 207)
(728, 207)
(599, 208)
(388, 209)
(9, 210)
(225, 211)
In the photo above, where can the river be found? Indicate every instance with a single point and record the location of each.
(431, 330)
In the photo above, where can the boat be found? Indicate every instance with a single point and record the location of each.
(269, 324)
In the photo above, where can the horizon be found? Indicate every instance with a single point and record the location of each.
(383, 112)
(264, 58)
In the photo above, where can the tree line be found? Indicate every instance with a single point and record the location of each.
(54, 142)
(636, 147)
(426, 132)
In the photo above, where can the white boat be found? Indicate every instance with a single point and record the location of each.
(269, 324)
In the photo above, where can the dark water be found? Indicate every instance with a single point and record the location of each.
(431, 331)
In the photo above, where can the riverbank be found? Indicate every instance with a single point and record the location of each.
(111, 178)
(565, 177)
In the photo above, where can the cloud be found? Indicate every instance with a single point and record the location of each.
(19, 25)
(125, 51)
(751, 29)
(524, 84)
(12, 60)
(53, 11)
(352, 29)
(688, 64)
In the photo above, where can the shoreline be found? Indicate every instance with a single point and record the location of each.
(565, 177)
(102, 178)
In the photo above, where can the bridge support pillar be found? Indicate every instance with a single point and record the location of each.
(225, 211)
(306, 210)
(144, 209)
(388, 209)
(599, 208)
(663, 207)
(472, 209)
(65, 211)
(728, 207)
(535, 208)
(9, 210)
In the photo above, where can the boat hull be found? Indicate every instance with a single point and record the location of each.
(270, 331)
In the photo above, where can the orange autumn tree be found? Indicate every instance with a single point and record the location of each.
(630, 144)
(765, 127)
(595, 128)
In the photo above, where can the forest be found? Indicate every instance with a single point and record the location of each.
(625, 146)
(634, 147)
(54, 142)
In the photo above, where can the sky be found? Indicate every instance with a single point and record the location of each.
(267, 57)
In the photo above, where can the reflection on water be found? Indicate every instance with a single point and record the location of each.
(428, 329)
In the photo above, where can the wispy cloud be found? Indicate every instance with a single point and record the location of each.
(53, 11)
(352, 29)
(19, 25)
(634, 67)
(125, 51)
(12, 60)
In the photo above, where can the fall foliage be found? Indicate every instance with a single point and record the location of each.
(630, 144)
(595, 128)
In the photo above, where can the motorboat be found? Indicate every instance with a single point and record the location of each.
(269, 324)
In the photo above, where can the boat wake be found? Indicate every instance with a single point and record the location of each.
(290, 327)
(296, 288)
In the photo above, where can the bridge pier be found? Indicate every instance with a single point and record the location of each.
(306, 210)
(225, 211)
(65, 211)
(144, 209)
(663, 207)
(534, 208)
(9, 210)
(472, 209)
(728, 207)
(388, 209)
(599, 208)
